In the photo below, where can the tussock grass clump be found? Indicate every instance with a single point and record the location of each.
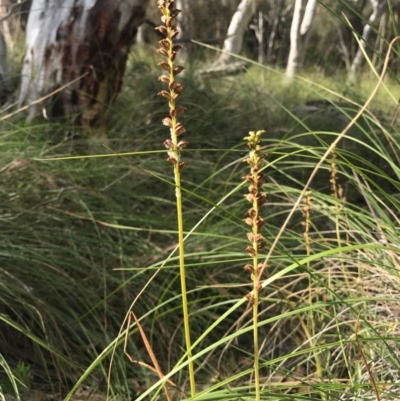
(82, 236)
(67, 243)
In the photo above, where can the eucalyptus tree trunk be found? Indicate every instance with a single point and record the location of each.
(12, 16)
(79, 48)
(259, 31)
(5, 36)
(4, 79)
(275, 13)
(378, 8)
(185, 25)
(237, 27)
(300, 35)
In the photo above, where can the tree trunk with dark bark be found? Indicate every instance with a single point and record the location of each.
(79, 47)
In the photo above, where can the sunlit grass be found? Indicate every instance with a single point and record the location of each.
(81, 238)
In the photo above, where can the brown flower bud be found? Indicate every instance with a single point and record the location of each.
(250, 297)
(177, 112)
(172, 56)
(261, 199)
(179, 129)
(250, 236)
(177, 87)
(164, 43)
(164, 78)
(162, 29)
(174, 33)
(162, 51)
(172, 160)
(164, 65)
(175, 13)
(169, 144)
(248, 178)
(253, 190)
(176, 48)
(261, 245)
(248, 221)
(169, 23)
(182, 165)
(258, 237)
(252, 213)
(180, 110)
(183, 144)
(260, 223)
(251, 251)
(249, 268)
(249, 197)
(164, 94)
(167, 121)
(178, 69)
(175, 95)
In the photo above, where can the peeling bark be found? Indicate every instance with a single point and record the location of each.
(68, 39)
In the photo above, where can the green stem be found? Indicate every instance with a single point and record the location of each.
(185, 306)
(255, 337)
(169, 51)
(256, 282)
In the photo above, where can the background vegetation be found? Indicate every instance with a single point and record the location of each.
(85, 232)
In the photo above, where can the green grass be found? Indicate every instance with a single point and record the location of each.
(81, 237)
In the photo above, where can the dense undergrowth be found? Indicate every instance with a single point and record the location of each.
(83, 229)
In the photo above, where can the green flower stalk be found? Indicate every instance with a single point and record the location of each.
(169, 51)
(257, 198)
